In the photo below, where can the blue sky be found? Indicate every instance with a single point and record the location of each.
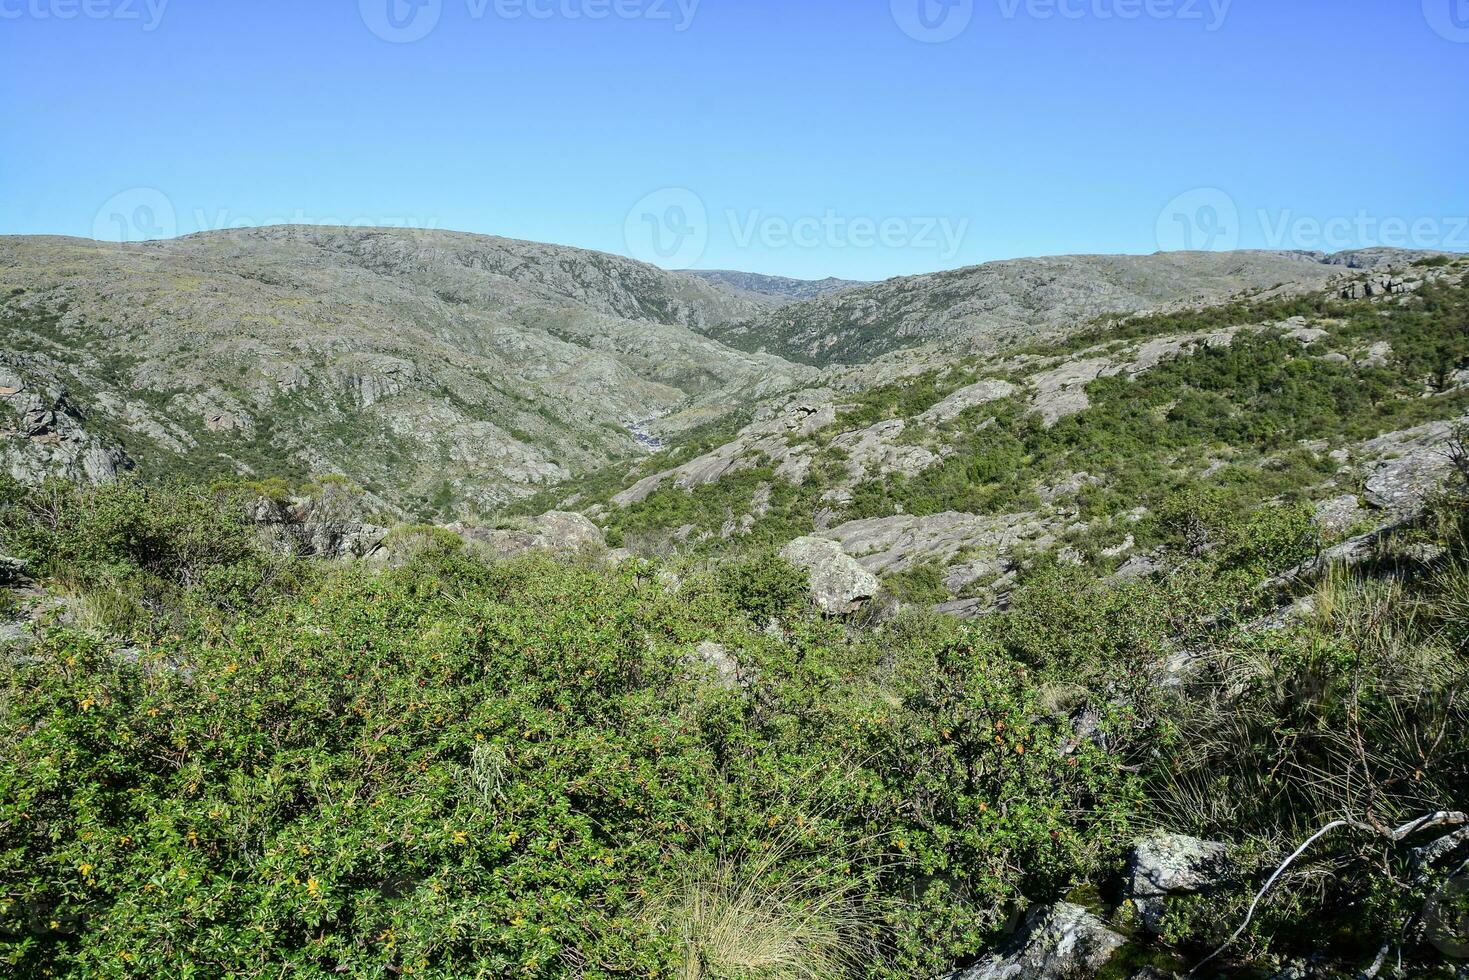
(798, 137)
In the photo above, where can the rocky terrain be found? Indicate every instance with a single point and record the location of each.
(441, 372)
(774, 290)
(990, 305)
(452, 374)
(1111, 586)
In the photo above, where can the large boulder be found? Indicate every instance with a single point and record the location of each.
(1414, 464)
(1172, 864)
(556, 531)
(1059, 942)
(317, 527)
(11, 569)
(839, 585)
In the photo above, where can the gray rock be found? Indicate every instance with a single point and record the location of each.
(1059, 942)
(1377, 356)
(894, 544)
(556, 531)
(716, 656)
(961, 401)
(839, 585)
(11, 569)
(1172, 864)
(1339, 514)
(1415, 463)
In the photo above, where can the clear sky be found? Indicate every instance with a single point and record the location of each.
(857, 138)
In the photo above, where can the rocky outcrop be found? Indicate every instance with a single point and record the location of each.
(839, 585)
(970, 396)
(768, 437)
(556, 531)
(1413, 464)
(316, 527)
(1172, 864)
(1058, 942)
(876, 451)
(1375, 286)
(43, 434)
(1339, 514)
(12, 570)
(884, 545)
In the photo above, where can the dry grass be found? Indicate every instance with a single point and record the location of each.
(757, 920)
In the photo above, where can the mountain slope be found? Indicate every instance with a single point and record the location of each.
(979, 306)
(774, 290)
(438, 370)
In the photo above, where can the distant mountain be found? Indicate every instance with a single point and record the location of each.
(774, 290)
(979, 305)
(438, 370)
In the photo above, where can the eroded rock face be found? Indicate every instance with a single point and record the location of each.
(1339, 514)
(768, 437)
(556, 531)
(894, 544)
(839, 585)
(316, 528)
(717, 658)
(1059, 942)
(42, 434)
(961, 401)
(1172, 864)
(1415, 463)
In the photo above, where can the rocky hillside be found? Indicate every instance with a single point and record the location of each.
(988, 305)
(437, 370)
(943, 484)
(774, 290)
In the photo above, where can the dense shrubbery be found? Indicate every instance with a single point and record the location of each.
(452, 768)
(255, 766)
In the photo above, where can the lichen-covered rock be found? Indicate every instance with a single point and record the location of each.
(1415, 463)
(1059, 942)
(556, 531)
(11, 569)
(839, 585)
(717, 657)
(1172, 864)
(1338, 515)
